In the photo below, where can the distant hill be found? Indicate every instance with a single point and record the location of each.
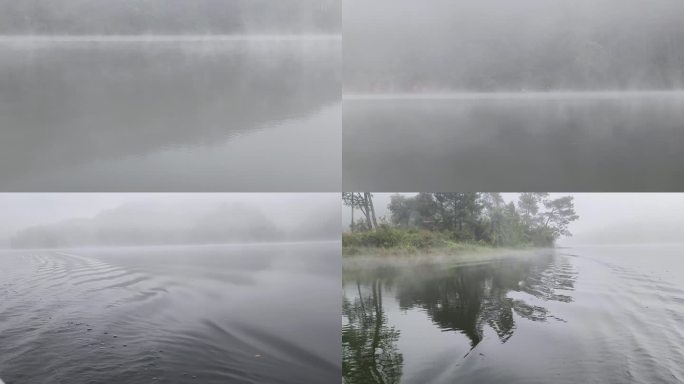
(144, 224)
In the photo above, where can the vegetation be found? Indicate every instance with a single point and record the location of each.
(363, 202)
(453, 222)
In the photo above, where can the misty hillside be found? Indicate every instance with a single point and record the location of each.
(109, 17)
(138, 224)
(525, 45)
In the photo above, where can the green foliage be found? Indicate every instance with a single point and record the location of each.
(388, 237)
(480, 218)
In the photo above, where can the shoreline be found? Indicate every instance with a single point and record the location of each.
(442, 255)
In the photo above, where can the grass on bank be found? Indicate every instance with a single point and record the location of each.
(389, 241)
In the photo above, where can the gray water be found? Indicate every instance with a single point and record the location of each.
(159, 113)
(610, 314)
(260, 313)
(598, 141)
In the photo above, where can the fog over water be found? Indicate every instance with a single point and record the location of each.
(127, 219)
(141, 288)
(157, 114)
(170, 96)
(525, 95)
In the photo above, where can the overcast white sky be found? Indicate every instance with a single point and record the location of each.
(21, 210)
(607, 218)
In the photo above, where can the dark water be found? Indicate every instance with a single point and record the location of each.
(596, 315)
(170, 113)
(579, 142)
(211, 314)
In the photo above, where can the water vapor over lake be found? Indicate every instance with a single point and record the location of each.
(139, 288)
(513, 95)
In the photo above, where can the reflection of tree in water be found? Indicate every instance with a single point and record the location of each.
(466, 298)
(369, 348)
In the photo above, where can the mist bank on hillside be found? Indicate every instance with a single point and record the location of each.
(169, 17)
(135, 224)
(499, 45)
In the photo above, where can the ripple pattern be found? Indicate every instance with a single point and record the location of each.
(92, 317)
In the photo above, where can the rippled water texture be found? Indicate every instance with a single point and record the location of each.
(488, 142)
(211, 314)
(594, 314)
(160, 113)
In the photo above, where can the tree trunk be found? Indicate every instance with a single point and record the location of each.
(367, 212)
(372, 210)
(352, 217)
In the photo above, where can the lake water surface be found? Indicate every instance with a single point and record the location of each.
(608, 314)
(584, 141)
(212, 314)
(159, 113)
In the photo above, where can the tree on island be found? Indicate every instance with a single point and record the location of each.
(485, 217)
(546, 219)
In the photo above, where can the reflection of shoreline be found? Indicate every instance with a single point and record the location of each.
(464, 298)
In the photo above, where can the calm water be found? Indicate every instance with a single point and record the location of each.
(164, 113)
(591, 314)
(550, 142)
(215, 314)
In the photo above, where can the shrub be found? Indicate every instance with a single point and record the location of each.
(388, 237)
(425, 239)
(384, 237)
